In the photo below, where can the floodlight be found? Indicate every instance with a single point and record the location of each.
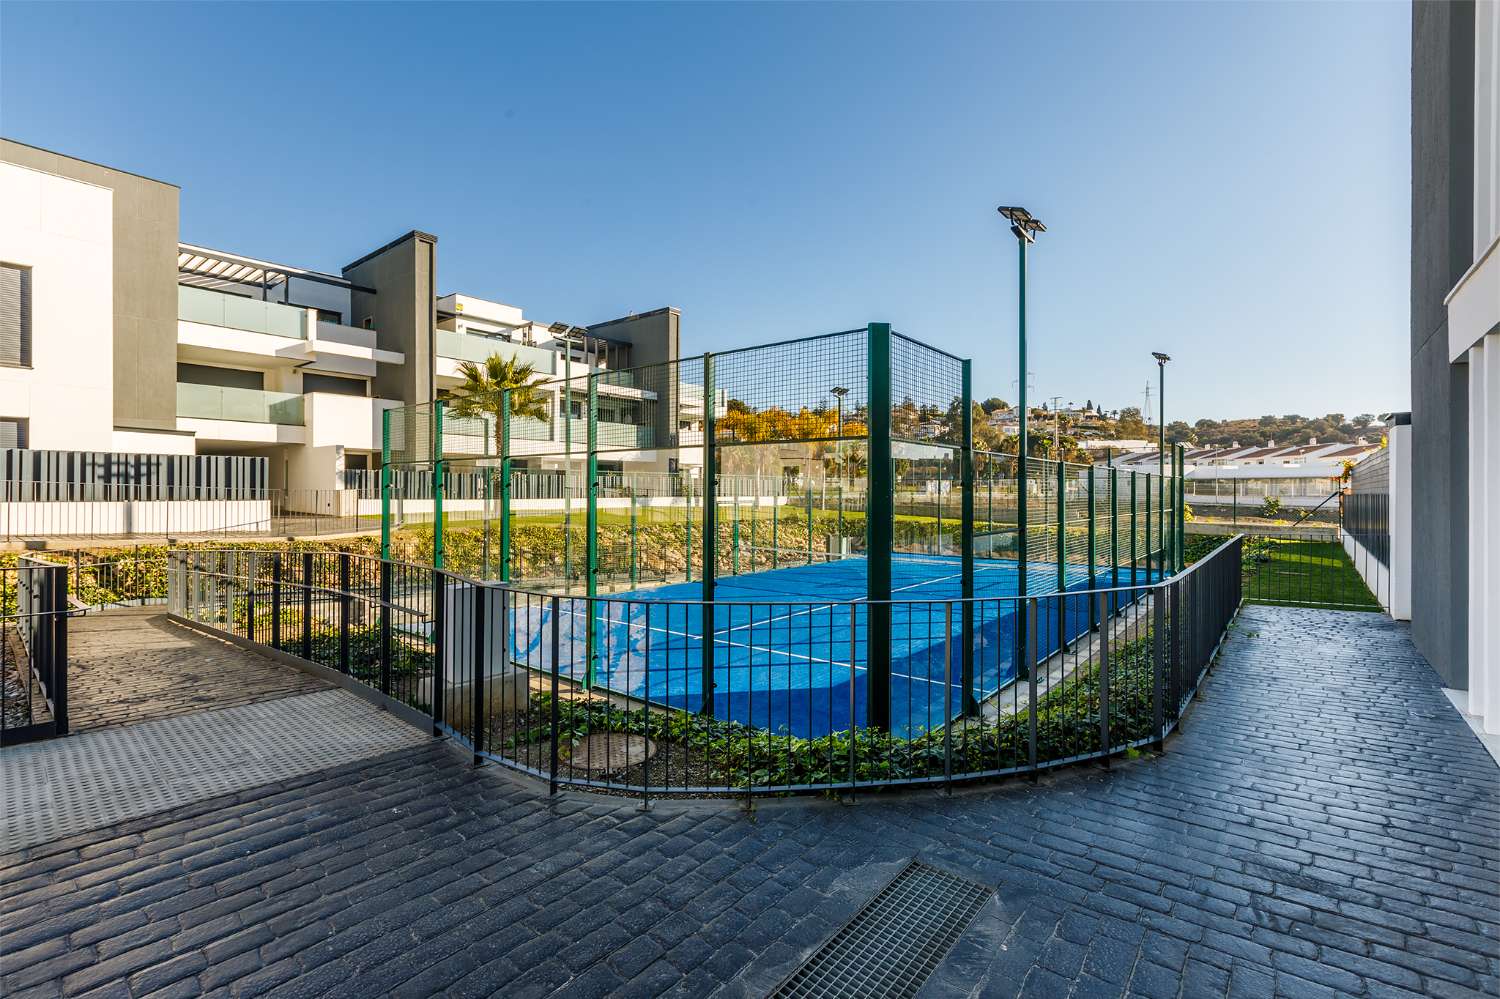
(1022, 225)
(1160, 357)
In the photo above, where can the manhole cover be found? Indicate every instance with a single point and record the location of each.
(611, 752)
(893, 943)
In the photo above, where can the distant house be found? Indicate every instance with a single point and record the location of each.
(1299, 475)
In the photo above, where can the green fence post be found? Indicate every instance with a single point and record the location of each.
(1114, 532)
(385, 484)
(775, 531)
(1148, 526)
(634, 540)
(809, 492)
(567, 418)
(754, 516)
(1133, 530)
(1062, 554)
(505, 475)
(879, 521)
(734, 533)
(710, 530)
(437, 483)
(970, 705)
(1161, 519)
(1181, 507)
(937, 548)
(1093, 544)
(591, 529)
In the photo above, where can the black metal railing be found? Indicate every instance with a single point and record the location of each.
(33, 650)
(617, 694)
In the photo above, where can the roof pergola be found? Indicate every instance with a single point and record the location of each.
(198, 265)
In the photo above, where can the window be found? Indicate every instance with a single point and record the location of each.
(369, 322)
(15, 316)
(207, 374)
(312, 382)
(12, 432)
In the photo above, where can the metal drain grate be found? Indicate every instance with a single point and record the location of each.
(893, 943)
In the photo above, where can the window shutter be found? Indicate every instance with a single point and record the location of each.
(12, 434)
(15, 315)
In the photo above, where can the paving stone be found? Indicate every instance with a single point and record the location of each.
(1322, 825)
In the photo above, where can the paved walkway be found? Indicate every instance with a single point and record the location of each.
(65, 786)
(130, 666)
(1323, 826)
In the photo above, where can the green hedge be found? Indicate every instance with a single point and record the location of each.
(741, 757)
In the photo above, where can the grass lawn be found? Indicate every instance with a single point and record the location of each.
(1303, 574)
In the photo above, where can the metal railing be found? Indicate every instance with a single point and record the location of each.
(33, 651)
(143, 511)
(616, 694)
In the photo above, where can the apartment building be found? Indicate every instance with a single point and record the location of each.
(118, 339)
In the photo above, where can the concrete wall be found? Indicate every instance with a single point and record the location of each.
(1441, 251)
(653, 336)
(62, 230)
(144, 268)
(404, 312)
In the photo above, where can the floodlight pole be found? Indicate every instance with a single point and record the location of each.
(1024, 227)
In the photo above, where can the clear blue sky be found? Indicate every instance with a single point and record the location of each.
(1228, 183)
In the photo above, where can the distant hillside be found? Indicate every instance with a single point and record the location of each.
(1127, 424)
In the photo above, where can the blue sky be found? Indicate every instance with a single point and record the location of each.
(1228, 183)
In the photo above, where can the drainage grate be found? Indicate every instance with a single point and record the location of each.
(893, 943)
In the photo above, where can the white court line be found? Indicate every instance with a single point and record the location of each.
(858, 600)
(758, 648)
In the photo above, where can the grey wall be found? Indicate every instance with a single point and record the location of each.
(1442, 100)
(653, 336)
(403, 307)
(654, 339)
(145, 284)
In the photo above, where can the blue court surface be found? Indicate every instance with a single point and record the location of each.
(789, 643)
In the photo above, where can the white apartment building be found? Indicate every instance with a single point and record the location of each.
(122, 347)
(1300, 476)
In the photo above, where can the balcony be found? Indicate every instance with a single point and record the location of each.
(213, 402)
(215, 308)
(472, 347)
(613, 436)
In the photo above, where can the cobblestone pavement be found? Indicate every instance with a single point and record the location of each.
(129, 666)
(1325, 825)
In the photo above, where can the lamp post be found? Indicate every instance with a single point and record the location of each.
(1024, 228)
(1161, 449)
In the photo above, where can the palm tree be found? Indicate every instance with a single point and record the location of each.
(485, 385)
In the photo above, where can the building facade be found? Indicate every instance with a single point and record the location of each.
(117, 338)
(1455, 348)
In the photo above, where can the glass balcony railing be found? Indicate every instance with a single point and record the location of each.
(214, 402)
(612, 435)
(472, 347)
(215, 308)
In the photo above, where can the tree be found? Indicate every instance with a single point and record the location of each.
(485, 384)
(1363, 420)
(994, 404)
(1130, 426)
(1178, 432)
